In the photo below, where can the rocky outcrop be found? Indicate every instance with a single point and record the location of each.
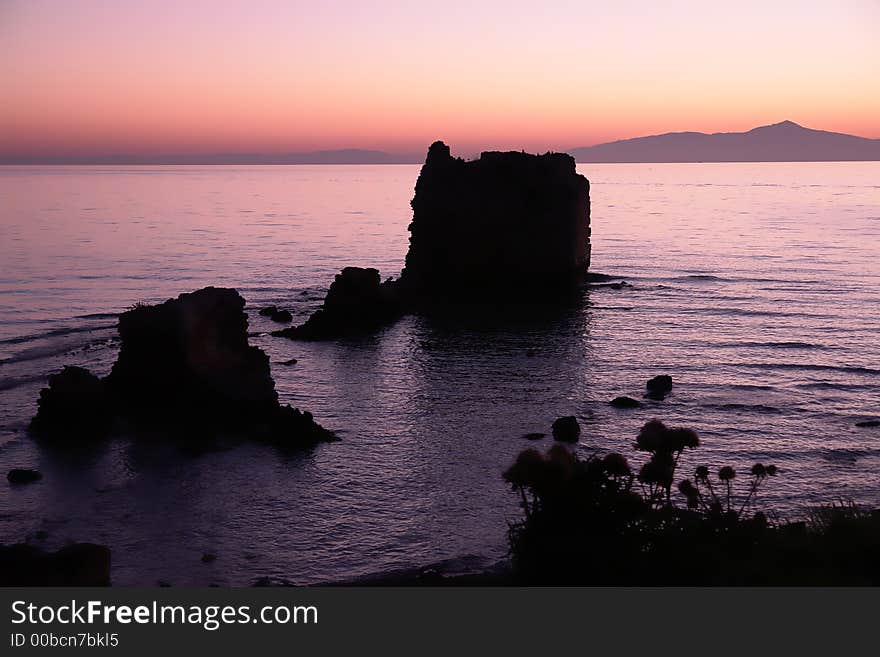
(658, 387)
(625, 402)
(499, 226)
(23, 476)
(357, 302)
(566, 429)
(276, 314)
(501, 222)
(78, 564)
(75, 404)
(184, 367)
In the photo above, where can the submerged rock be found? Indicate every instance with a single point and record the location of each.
(625, 402)
(659, 386)
(534, 436)
(868, 424)
(276, 314)
(185, 367)
(357, 302)
(566, 429)
(78, 564)
(23, 476)
(502, 222)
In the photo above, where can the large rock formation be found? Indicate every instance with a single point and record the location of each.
(357, 302)
(502, 225)
(184, 367)
(502, 222)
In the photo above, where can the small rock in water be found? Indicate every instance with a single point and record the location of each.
(23, 476)
(207, 557)
(625, 402)
(281, 316)
(868, 423)
(292, 361)
(659, 386)
(534, 436)
(276, 314)
(357, 303)
(566, 429)
(530, 353)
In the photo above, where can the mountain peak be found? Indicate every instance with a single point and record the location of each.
(783, 124)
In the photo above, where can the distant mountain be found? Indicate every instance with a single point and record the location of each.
(780, 142)
(342, 156)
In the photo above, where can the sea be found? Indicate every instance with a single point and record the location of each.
(756, 286)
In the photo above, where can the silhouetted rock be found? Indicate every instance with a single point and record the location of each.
(357, 302)
(566, 429)
(625, 402)
(75, 404)
(78, 564)
(23, 476)
(190, 357)
(184, 367)
(276, 314)
(534, 436)
(659, 386)
(208, 557)
(291, 361)
(868, 423)
(499, 223)
(497, 226)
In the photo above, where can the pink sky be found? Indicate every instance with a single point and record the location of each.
(100, 77)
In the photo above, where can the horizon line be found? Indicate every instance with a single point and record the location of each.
(355, 156)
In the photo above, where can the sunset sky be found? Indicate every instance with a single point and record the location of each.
(173, 76)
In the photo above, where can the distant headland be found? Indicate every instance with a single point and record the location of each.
(781, 142)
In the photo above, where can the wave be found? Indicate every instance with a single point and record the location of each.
(846, 369)
(744, 312)
(755, 408)
(55, 333)
(769, 345)
(843, 454)
(828, 385)
(8, 383)
(98, 316)
(702, 277)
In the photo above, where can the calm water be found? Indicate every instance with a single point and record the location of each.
(755, 285)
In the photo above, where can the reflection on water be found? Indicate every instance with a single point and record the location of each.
(752, 284)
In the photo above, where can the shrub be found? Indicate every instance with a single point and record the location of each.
(598, 520)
